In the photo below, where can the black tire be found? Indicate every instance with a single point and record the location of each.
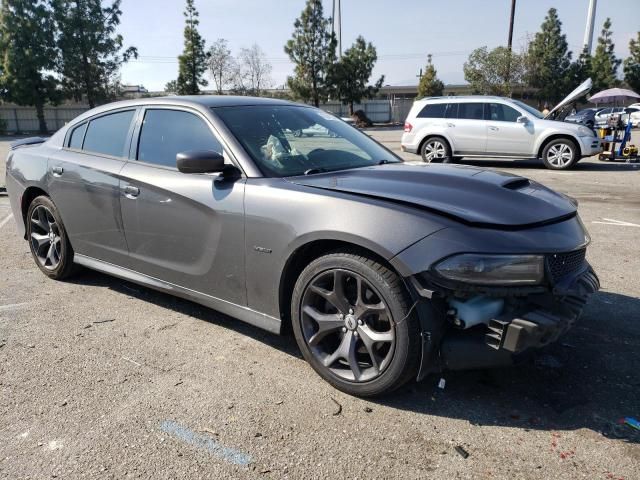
(435, 150)
(59, 241)
(403, 362)
(560, 154)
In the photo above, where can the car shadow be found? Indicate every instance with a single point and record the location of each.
(616, 166)
(587, 380)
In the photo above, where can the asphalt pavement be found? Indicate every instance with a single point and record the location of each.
(101, 378)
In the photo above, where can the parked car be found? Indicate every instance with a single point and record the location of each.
(631, 114)
(383, 271)
(314, 130)
(586, 117)
(442, 129)
(603, 115)
(626, 114)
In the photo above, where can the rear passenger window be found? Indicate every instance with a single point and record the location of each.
(500, 112)
(471, 111)
(433, 110)
(451, 111)
(108, 134)
(165, 133)
(77, 135)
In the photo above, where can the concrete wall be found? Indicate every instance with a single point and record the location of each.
(24, 119)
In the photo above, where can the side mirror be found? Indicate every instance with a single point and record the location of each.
(522, 119)
(200, 161)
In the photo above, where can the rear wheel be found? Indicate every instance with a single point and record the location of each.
(48, 239)
(354, 325)
(560, 154)
(435, 149)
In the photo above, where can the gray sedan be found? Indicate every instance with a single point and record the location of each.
(384, 272)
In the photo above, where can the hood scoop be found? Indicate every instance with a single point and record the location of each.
(468, 194)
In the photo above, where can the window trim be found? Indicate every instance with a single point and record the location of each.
(135, 138)
(72, 128)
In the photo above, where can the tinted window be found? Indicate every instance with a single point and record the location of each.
(451, 111)
(108, 134)
(165, 133)
(501, 113)
(433, 110)
(75, 141)
(471, 111)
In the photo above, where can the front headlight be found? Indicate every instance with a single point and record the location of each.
(493, 269)
(586, 132)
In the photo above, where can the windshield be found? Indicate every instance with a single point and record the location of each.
(287, 140)
(529, 109)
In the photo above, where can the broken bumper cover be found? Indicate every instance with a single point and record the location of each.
(541, 316)
(540, 327)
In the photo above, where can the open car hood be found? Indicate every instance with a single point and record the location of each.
(468, 194)
(579, 92)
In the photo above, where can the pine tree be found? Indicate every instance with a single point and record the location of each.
(91, 52)
(604, 64)
(549, 61)
(580, 70)
(193, 61)
(632, 65)
(27, 43)
(312, 50)
(351, 74)
(430, 85)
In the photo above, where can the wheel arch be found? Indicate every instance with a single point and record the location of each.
(432, 135)
(306, 253)
(558, 136)
(28, 196)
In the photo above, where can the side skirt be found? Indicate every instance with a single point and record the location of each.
(245, 314)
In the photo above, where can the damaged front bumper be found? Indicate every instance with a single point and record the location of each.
(532, 318)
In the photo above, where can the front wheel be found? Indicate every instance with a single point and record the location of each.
(435, 149)
(560, 154)
(354, 325)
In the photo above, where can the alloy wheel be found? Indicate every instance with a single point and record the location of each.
(434, 150)
(560, 155)
(347, 325)
(45, 238)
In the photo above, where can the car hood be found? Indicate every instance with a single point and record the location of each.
(468, 194)
(579, 92)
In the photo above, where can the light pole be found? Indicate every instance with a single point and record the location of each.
(588, 30)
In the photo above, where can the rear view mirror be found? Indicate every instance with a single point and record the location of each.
(200, 161)
(522, 119)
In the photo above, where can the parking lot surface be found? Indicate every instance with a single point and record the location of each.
(100, 378)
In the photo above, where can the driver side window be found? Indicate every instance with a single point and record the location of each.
(165, 133)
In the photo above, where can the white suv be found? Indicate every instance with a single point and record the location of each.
(445, 128)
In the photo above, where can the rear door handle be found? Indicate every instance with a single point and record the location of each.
(57, 171)
(451, 125)
(131, 191)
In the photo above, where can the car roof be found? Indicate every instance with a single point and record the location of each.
(452, 98)
(195, 101)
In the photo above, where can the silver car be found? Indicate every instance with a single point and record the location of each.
(445, 128)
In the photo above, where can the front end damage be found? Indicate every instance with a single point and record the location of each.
(466, 326)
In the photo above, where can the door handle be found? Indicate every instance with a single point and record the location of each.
(131, 191)
(495, 129)
(451, 125)
(57, 171)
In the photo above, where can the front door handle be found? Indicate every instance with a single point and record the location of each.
(131, 191)
(495, 129)
(57, 171)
